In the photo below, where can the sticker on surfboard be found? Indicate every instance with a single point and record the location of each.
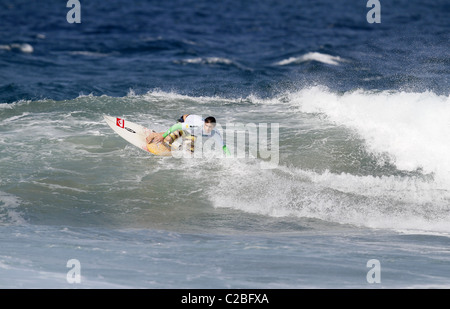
(120, 122)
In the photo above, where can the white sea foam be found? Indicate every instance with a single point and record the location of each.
(89, 53)
(212, 61)
(397, 203)
(208, 60)
(14, 104)
(413, 128)
(14, 118)
(8, 208)
(159, 95)
(312, 56)
(24, 47)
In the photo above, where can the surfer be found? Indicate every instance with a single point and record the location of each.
(193, 126)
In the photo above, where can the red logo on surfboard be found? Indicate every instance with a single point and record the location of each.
(120, 123)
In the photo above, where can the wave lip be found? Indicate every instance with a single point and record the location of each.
(413, 128)
(312, 56)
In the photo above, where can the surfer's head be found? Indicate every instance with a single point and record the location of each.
(210, 124)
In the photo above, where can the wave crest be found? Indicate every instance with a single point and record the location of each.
(312, 56)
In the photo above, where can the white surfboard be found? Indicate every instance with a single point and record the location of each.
(136, 135)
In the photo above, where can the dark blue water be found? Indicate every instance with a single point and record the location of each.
(143, 45)
(362, 169)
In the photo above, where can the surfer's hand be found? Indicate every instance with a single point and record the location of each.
(158, 138)
(150, 138)
(154, 138)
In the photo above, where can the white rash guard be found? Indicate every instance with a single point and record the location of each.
(194, 125)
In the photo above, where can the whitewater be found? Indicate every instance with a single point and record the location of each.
(390, 167)
(349, 186)
(350, 165)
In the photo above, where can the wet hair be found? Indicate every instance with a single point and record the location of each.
(210, 119)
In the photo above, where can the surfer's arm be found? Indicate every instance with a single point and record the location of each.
(175, 127)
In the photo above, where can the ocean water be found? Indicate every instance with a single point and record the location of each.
(355, 193)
